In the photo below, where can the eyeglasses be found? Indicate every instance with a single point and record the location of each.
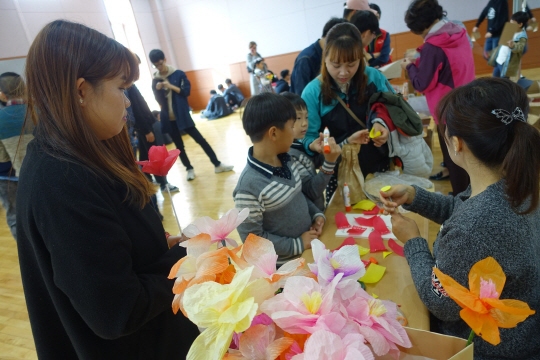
(155, 66)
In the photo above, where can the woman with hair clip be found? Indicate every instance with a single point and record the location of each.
(93, 252)
(343, 89)
(487, 134)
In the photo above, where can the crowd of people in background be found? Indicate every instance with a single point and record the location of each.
(94, 255)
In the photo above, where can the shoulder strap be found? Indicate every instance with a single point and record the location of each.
(346, 107)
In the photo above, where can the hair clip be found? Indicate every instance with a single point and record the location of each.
(506, 117)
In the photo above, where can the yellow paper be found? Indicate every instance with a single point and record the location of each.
(386, 253)
(375, 295)
(373, 134)
(386, 188)
(362, 250)
(374, 273)
(364, 205)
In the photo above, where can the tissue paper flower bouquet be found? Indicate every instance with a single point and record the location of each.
(251, 310)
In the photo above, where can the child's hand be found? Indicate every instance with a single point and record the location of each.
(318, 225)
(335, 151)
(475, 29)
(405, 63)
(317, 144)
(166, 84)
(404, 228)
(307, 237)
(359, 137)
(511, 44)
(488, 35)
(159, 85)
(380, 140)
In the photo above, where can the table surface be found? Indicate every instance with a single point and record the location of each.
(396, 284)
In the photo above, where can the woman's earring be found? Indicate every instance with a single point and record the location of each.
(81, 100)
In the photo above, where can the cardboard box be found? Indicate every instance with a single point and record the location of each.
(432, 346)
(510, 29)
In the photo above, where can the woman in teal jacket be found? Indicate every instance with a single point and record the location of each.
(345, 75)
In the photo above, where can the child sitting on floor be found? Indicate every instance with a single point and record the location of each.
(309, 164)
(270, 185)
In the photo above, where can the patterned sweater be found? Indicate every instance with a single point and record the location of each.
(279, 210)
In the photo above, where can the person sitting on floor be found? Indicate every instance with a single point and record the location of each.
(216, 108)
(230, 97)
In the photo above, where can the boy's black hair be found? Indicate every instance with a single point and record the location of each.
(264, 111)
(155, 113)
(296, 100)
(156, 55)
(421, 14)
(521, 17)
(12, 85)
(376, 8)
(284, 73)
(228, 81)
(366, 20)
(220, 87)
(330, 24)
(213, 92)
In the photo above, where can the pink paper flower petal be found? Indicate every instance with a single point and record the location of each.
(356, 230)
(347, 241)
(374, 211)
(365, 221)
(380, 226)
(376, 242)
(395, 247)
(341, 221)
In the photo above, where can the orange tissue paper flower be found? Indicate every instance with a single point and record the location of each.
(160, 160)
(482, 309)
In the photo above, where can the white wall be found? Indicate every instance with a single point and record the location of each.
(209, 33)
(23, 19)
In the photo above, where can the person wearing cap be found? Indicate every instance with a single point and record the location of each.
(352, 6)
(378, 51)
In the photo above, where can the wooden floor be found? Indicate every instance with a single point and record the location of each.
(208, 195)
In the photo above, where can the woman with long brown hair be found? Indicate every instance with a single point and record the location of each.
(93, 254)
(344, 75)
(485, 128)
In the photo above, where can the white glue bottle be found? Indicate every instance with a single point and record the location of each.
(326, 134)
(347, 197)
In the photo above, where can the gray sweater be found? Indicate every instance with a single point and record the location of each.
(474, 229)
(278, 209)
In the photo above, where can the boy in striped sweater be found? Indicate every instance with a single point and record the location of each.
(270, 185)
(309, 164)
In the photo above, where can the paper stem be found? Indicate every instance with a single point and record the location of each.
(174, 210)
(471, 337)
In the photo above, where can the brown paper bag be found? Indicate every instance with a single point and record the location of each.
(431, 346)
(349, 172)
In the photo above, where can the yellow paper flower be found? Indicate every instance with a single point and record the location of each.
(222, 310)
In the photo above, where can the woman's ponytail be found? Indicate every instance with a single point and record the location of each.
(521, 167)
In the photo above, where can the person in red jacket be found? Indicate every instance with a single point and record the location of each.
(379, 49)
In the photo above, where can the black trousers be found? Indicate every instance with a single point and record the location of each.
(199, 139)
(459, 179)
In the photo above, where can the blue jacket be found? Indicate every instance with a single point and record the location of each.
(217, 108)
(306, 67)
(179, 102)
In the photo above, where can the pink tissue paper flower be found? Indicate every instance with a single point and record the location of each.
(325, 345)
(218, 229)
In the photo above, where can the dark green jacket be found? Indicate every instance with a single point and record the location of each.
(402, 114)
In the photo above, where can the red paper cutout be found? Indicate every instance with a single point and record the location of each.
(380, 226)
(341, 221)
(365, 221)
(356, 230)
(374, 211)
(160, 160)
(366, 263)
(376, 242)
(347, 241)
(395, 247)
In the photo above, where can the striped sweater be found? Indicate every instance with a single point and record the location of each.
(307, 169)
(279, 210)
